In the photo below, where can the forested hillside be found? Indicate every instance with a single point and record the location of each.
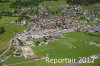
(83, 2)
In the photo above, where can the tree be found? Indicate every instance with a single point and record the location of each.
(6, 13)
(37, 43)
(20, 42)
(0, 1)
(2, 30)
(27, 3)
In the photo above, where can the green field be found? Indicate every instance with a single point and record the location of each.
(27, 62)
(53, 5)
(10, 32)
(8, 19)
(5, 6)
(67, 47)
(92, 7)
(96, 63)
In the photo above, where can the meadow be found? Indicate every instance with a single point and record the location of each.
(10, 31)
(8, 19)
(53, 6)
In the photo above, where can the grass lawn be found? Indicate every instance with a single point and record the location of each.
(8, 19)
(10, 31)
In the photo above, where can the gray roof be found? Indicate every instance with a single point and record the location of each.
(96, 29)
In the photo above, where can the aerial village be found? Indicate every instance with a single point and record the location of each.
(54, 27)
(48, 28)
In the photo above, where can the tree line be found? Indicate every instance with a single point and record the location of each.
(27, 3)
(83, 2)
(2, 30)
